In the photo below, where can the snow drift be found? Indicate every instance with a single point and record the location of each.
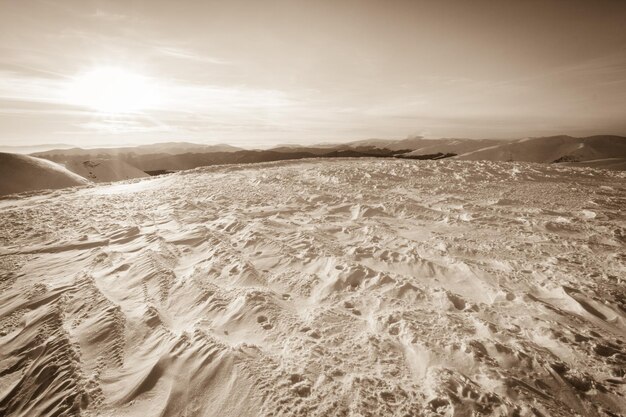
(20, 173)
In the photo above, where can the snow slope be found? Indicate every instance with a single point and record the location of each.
(20, 173)
(618, 164)
(361, 287)
(423, 146)
(105, 170)
(551, 149)
(457, 146)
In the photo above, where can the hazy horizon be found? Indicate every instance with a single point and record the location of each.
(255, 74)
(41, 147)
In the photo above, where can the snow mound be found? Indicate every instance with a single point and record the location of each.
(105, 170)
(20, 173)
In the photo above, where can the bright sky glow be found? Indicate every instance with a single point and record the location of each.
(112, 90)
(258, 73)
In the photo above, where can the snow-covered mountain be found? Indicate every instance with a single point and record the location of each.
(553, 149)
(562, 149)
(423, 146)
(169, 148)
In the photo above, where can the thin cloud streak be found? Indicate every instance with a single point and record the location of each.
(188, 55)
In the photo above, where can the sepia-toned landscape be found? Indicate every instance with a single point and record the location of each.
(346, 208)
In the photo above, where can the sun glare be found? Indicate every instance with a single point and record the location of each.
(112, 90)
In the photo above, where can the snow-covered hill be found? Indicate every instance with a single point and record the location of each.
(105, 170)
(553, 149)
(361, 287)
(20, 173)
(618, 164)
(423, 146)
(457, 146)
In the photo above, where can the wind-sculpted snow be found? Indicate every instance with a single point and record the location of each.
(319, 288)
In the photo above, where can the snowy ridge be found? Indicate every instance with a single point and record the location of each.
(552, 149)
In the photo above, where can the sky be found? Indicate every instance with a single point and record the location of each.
(259, 73)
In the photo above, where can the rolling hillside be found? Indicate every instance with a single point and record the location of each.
(20, 173)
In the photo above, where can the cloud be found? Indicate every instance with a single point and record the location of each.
(122, 126)
(181, 53)
(107, 15)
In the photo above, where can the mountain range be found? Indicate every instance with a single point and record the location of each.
(181, 155)
(64, 167)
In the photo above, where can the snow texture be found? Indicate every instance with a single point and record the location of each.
(361, 287)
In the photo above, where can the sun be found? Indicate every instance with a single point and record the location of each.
(112, 90)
